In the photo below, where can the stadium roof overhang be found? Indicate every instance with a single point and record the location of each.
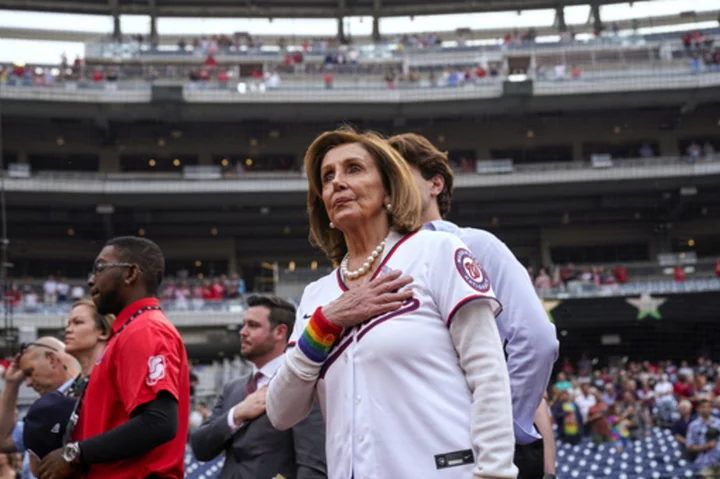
(285, 8)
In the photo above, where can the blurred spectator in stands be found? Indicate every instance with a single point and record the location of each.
(31, 301)
(687, 41)
(562, 384)
(50, 291)
(708, 150)
(608, 396)
(169, 291)
(702, 439)
(619, 430)
(567, 366)
(694, 152)
(694, 63)
(328, 81)
(679, 274)
(97, 75)
(567, 417)
(63, 288)
(390, 79)
(560, 70)
(223, 78)
(584, 401)
(217, 290)
(683, 387)
(77, 292)
(664, 397)
(575, 72)
(543, 283)
(181, 44)
(717, 268)
(686, 370)
(273, 81)
(568, 273)
(703, 390)
(646, 151)
(15, 296)
(598, 419)
(680, 426)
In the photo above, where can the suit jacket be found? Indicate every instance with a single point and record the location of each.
(257, 450)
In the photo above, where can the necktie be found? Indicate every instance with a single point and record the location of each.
(253, 384)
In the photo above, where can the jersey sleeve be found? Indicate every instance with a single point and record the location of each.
(455, 277)
(149, 362)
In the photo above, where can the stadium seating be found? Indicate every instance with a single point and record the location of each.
(657, 457)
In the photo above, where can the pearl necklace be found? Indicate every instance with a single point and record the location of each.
(365, 268)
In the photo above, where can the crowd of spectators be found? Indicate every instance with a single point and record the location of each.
(55, 295)
(569, 278)
(619, 405)
(202, 294)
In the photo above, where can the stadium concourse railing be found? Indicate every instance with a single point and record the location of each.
(648, 79)
(255, 182)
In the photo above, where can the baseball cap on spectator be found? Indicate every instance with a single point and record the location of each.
(46, 421)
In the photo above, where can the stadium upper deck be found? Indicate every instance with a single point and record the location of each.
(285, 8)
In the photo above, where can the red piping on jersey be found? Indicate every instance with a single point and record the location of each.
(467, 300)
(384, 261)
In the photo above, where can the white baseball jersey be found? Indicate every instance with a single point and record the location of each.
(395, 400)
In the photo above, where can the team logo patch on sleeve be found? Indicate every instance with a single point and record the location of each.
(471, 271)
(156, 369)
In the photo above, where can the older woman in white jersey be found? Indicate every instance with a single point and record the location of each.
(399, 343)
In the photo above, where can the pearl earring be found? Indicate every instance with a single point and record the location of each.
(388, 206)
(332, 225)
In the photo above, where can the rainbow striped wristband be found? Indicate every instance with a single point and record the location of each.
(318, 337)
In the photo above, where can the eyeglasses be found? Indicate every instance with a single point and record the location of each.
(100, 267)
(24, 346)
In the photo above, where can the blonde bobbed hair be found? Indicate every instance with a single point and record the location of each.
(396, 177)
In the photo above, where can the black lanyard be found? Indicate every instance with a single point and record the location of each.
(81, 384)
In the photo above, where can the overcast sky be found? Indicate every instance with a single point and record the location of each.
(29, 51)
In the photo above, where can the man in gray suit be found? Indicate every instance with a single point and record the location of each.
(238, 425)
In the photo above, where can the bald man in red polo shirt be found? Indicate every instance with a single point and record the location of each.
(133, 415)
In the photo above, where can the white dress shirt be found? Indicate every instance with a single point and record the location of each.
(267, 372)
(531, 341)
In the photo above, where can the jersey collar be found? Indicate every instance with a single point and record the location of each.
(131, 309)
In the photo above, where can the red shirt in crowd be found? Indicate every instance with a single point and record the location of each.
(139, 362)
(621, 274)
(717, 268)
(97, 76)
(217, 291)
(684, 390)
(679, 274)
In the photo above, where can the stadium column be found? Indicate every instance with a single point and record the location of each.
(115, 10)
(560, 19)
(376, 20)
(152, 5)
(341, 21)
(597, 20)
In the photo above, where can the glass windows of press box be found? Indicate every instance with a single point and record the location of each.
(619, 150)
(612, 253)
(69, 162)
(161, 163)
(540, 154)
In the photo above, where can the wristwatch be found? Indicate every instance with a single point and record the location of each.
(71, 453)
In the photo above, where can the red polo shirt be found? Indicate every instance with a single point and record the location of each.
(146, 357)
